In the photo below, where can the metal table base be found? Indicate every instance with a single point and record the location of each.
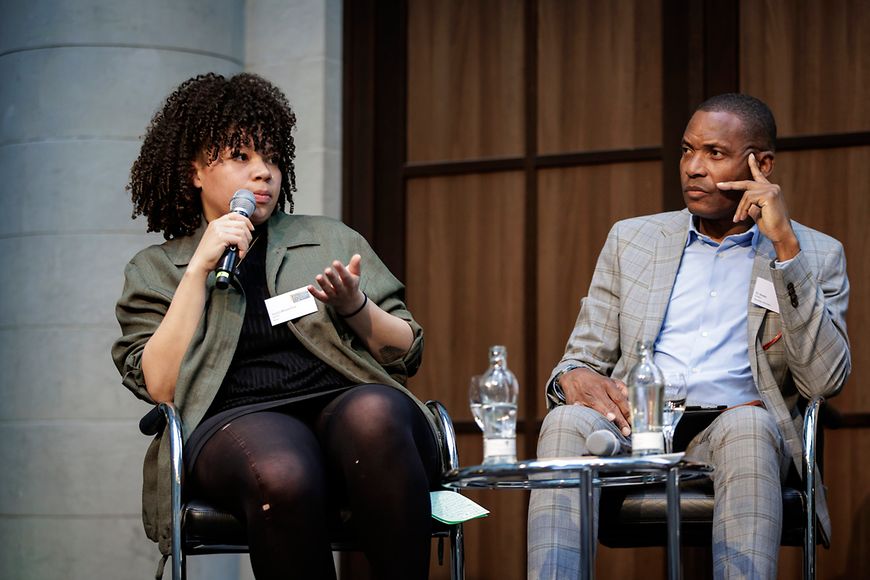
(584, 473)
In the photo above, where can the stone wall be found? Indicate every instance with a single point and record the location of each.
(79, 81)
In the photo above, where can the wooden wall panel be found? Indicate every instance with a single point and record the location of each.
(847, 478)
(828, 190)
(576, 208)
(465, 79)
(495, 546)
(625, 563)
(465, 273)
(599, 75)
(587, 76)
(810, 61)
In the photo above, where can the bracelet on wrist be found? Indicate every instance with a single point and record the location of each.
(358, 310)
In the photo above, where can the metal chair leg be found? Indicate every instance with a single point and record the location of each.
(457, 556)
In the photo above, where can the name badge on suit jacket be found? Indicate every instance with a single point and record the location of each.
(764, 295)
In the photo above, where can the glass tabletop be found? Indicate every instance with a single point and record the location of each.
(565, 472)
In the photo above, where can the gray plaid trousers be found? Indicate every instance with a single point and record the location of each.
(745, 446)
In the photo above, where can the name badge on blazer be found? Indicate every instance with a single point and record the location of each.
(290, 305)
(764, 295)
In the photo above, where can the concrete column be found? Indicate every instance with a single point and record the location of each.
(79, 81)
(297, 45)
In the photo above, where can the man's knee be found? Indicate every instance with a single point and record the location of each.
(565, 428)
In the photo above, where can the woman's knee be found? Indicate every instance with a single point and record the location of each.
(372, 412)
(277, 460)
(289, 482)
(377, 425)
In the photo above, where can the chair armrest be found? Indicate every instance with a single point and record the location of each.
(811, 420)
(450, 453)
(155, 422)
(810, 434)
(157, 418)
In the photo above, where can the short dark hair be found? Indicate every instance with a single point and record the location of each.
(203, 116)
(754, 113)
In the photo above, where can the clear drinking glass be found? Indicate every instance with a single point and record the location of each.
(475, 400)
(674, 406)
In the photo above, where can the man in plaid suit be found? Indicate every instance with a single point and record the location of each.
(745, 302)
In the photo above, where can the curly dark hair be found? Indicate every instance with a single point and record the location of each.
(204, 116)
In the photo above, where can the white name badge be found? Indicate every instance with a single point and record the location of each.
(291, 305)
(764, 295)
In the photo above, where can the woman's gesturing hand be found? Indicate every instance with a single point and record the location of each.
(387, 337)
(339, 286)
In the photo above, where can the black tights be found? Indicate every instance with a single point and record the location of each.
(286, 472)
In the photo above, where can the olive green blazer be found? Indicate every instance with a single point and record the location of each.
(299, 248)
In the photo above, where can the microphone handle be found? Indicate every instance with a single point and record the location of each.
(225, 268)
(604, 444)
(227, 265)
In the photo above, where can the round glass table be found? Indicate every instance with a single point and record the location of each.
(584, 473)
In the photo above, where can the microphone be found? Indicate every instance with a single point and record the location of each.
(243, 203)
(605, 443)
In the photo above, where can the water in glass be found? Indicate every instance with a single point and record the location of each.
(475, 401)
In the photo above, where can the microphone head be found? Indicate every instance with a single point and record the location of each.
(243, 202)
(602, 443)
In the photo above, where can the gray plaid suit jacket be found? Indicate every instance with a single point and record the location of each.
(631, 287)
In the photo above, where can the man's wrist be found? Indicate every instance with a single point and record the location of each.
(786, 248)
(557, 388)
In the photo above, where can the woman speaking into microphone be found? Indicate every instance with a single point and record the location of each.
(289, 380)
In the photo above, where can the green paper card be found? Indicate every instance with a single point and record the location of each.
(450, 507)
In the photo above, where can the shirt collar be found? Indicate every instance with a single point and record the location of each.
(748, 238)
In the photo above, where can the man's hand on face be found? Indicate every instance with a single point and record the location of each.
(607, 396)
(764, 203)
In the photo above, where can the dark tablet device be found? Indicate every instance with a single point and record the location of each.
(693, 421)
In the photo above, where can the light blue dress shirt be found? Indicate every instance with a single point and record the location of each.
(704, 332)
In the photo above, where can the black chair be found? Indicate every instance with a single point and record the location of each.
(199, 528)
(635, 517)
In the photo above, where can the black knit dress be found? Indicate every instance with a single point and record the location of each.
(270, 367)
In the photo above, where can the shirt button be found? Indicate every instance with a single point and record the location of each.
(714, 294)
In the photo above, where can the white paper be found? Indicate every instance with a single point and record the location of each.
(450, 507)
(764, 295)
(291, 305)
